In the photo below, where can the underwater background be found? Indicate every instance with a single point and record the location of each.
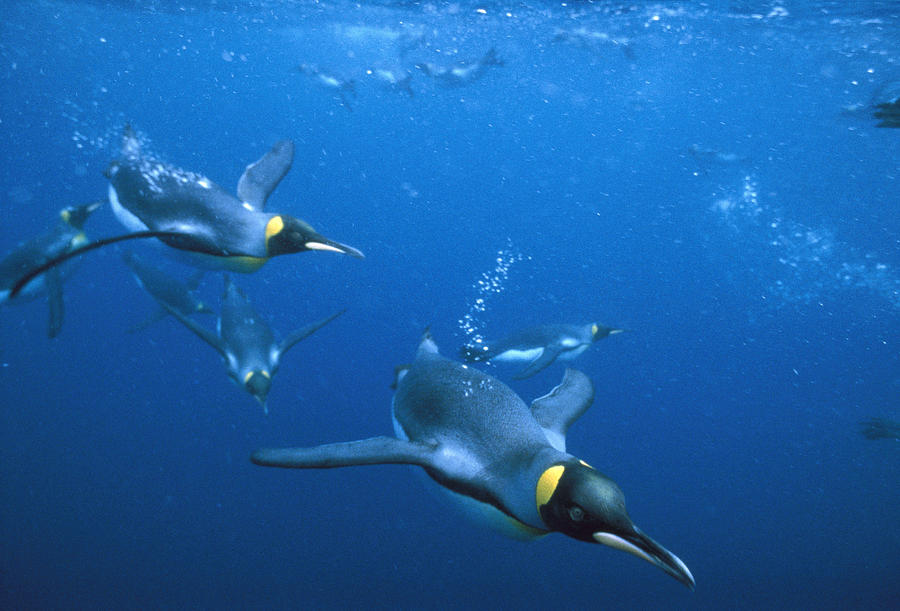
(707, 175)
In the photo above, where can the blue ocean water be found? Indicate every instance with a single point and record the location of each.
(707, 175)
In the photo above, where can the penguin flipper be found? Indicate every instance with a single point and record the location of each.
(53, 284)
(372, 451)
(203, 333)
(547, 356)
(301, 334)
(261, 178)
(559, 408)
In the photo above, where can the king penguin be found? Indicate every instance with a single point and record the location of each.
(67, 236)
(223, 231)
(475, 437)
(192, 214)
(165, 288)
(246, 342)
(538, 347)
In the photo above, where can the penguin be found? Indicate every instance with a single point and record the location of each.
(67, 236)
(246, 342)
(885, 104)
(193, 215)
(328, 81)
(164, 288)
(880, 428)
(462, 73)
(477, 439)
(539, 346)
(594, 41)
(390, 79)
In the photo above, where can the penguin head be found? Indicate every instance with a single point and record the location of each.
(258, 382)
(599, 331)
(77, 216)
(578, 501)
(287, 234)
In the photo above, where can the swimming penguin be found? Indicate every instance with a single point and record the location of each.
(328, 81)
(390, 79)
(198, 218)
(246, 342)
(475, 437)
(165, 288)
(886, 104)
(462, 73)
(881, 428)
(67, 236)
(539, 346)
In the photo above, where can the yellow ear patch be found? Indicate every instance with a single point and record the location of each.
(594, 329)
(261, 372)
(274, 226)
(65, 215)
(547, 484)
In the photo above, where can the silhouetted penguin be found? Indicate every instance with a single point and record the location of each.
(539, 346)
(881, 428)
(246, 342)
(192, 214)
(329, 81)
(886, 104)
(67, 236)
(461, 73)
(397, 80)
(165, 288)
(473, 435)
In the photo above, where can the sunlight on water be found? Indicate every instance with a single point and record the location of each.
(488, 284)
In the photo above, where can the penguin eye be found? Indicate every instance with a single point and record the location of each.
(576, 513)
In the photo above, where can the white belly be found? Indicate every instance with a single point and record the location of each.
(129, 220)
(568, 355)
(518, 356)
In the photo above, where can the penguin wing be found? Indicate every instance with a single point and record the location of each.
(261, 178)
(205, 334)
(301, 334)
(53, 285)
(547, 356)
(372, 451)
(558, 409)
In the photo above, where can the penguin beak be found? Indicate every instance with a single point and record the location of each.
(644, 547)
(318, 242)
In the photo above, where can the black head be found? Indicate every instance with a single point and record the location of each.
(287, 234)
(258, 382)
(599, 331)
(77, 216)
(578, 501)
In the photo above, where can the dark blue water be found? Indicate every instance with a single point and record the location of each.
(761, 288)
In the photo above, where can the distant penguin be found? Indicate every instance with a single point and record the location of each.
(342, 87)
(165, 288)
(196, 217)
(539, 346)
(475, 437)
(881, 428)
(394, 80)
(67, 236)
(246, 342)
(886, 104)
(461, 73)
